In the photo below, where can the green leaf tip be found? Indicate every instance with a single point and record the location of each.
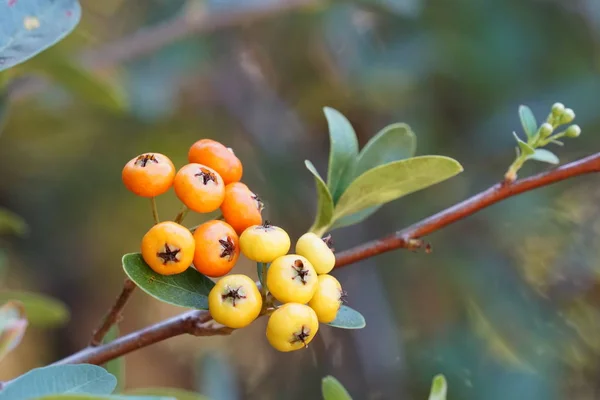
(332, 389)
(348, 318)
(439, 388)
(528, 121)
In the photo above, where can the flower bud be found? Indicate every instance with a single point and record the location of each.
(567, 116)
(546, 130)
(573, 131)
(558, 109)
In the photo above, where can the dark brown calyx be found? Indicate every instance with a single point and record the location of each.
(227, 248)
(329, 242)
(266, 226)
(206, 176)
(343, 296)
(258, 202)
(233, 294)
(144, 159)
(169, 254)
(301, 271)
(301, 336)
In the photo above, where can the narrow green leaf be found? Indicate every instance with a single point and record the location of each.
(393, 143)
(116, 366)
(324, 201)
(177, 394)
(261, 269)
(189, 289)
(83, 83)
(82, 378)
(348, 318)
(12, 326)
(394, 180)
(332, 389)
(439, 388)
(31, 26)
(524, 147)
(11, 223)
(528, 121)
(544, 155)
(41, 310)
(102, 397)
(343, 151)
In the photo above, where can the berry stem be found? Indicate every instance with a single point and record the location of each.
(154, 210)
(182, 214)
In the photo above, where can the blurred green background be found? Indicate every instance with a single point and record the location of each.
(506, 306)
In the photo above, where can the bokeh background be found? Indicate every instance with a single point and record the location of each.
(506, 306)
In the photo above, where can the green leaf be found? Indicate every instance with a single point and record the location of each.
(332, 389)
(528, 121)
(524, 147)
(11, 223)
(394, 180)
(348, 318)
(260, 268)
(31, 26)
(188, 289)
(90, 87)
(170, 392)
(324, 202)
(41, 310)
(393, 143)
(4, 107)
(438, 388)
(544, 155)
(117, 365)
(216, 377)
(343, 151)
(55, 379)
(102, 397)
(12, 326)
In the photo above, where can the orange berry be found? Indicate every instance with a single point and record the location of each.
(149, 174)
(199, 187)
(218, 157)
(168, 248)
(217, 248)
(241, 208)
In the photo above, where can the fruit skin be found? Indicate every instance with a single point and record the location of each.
(199, 187)
(327, 299)
(317, 252)
(292, 327)
(241, 208)
(292, 279)
(180, 252)
(149, 174)
(247, 306)
(217, 248)
(218, 157)
(264, 243)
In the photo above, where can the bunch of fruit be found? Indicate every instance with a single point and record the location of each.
(295, 290)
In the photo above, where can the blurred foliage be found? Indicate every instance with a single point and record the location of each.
(515, 282)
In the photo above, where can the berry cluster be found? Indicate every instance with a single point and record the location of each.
(296, 291)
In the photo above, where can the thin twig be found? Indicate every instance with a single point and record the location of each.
(199, 323)
(114, 314)
(404, 238)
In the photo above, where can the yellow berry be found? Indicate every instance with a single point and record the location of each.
(327, 300)
(292, 279)
(292, 327)
(317, 252)
(235, 301)
(264, 243)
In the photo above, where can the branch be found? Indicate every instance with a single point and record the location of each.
(114, 314)
(406, 238)
(197, 323)
(200, 323)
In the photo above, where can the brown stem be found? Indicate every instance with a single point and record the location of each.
(199, 323)
(496, 193)
(114, 314)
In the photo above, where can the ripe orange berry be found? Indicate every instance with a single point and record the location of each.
(168, 248)
(218, 157)
(199, 187)
(217, 248)
(149, 174)
(241, 208)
